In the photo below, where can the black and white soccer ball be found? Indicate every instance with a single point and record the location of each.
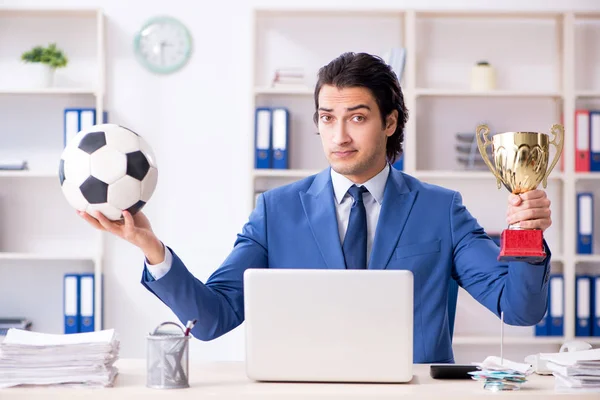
(108, 168)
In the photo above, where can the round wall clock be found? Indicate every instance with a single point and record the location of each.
(163, 45)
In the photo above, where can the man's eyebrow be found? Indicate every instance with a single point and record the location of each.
(353, 108)
(358, 107)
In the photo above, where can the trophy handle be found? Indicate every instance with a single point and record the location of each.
(482, 132)
(558, 131)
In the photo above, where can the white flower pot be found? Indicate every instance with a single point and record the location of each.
(38, 75)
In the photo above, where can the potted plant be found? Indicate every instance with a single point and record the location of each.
(43, 62)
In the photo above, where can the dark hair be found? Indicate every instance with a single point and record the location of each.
(369, 71)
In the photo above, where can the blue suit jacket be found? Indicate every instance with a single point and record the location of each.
(422, 228)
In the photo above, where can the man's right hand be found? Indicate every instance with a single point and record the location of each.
(135, 229)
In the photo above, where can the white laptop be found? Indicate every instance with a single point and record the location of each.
(312, 325)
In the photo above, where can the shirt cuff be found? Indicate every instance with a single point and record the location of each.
(159, 270)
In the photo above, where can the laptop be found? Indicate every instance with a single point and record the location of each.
(314, 325)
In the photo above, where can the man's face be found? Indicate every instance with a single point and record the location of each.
(353, 136)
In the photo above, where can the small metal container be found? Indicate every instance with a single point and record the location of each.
(167, 358)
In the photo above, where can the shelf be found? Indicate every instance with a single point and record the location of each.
(592, 258)
(349, 10)
(46, 12)
(471, 175)
(587, 14)
(292, 90)
(55, 90)
(44, 257)
(587, 175)
(489, 14)
(587, 93)
(495, 340)
(284, 173)
(594, 340)
(494, 93)
(28, 174)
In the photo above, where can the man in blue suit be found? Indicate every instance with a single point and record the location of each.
(359, 213)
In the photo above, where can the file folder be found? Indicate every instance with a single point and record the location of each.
(262, 131)
(585, 223)
(541, 328)
(556, 307)
(87, 303)
(582, 140)
(87, 118)
(583, 317)
(596, 306)
(71, 290)
(71, 124)
(280, 131)
(595, 140)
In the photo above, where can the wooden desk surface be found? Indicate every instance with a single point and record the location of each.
(228, 381)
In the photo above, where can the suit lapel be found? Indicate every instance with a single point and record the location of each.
(320, 210)
(397, 202)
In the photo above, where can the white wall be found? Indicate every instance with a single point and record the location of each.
(197, 121)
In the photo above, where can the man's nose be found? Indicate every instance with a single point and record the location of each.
(340, 133)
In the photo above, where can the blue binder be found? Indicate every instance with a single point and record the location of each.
(71, 291)
(595, 140)
(583, 303)
(262, 140)
(556, 305)
(585, 222)
(71, 124)
(595, 309)
(541, 328)
(280, 128)
(86, 303)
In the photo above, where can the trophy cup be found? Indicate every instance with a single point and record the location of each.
(520, 164)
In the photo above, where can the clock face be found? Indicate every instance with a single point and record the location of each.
(163, 45)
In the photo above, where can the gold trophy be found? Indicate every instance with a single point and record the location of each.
(520, 164)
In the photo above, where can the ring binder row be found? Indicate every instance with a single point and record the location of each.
(587, 140)
(78, 119)
(79, 303)
(272, 126)
(587, 307)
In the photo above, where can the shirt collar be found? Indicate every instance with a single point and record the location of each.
(375, 185)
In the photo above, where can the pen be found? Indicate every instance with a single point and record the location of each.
(189, 326)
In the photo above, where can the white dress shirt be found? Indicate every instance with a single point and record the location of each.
(372, 199)
(343, 203)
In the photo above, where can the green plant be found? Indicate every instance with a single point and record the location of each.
(50, 55)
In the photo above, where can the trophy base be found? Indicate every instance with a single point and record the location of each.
(522, 245)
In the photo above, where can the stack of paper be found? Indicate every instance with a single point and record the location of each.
(501, 374)
(13, 164)
(576, 371)
(81, 359)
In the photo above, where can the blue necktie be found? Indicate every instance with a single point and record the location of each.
(355, 241)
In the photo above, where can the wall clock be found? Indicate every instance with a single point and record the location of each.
(163, 45)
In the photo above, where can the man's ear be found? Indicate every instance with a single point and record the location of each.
(391, 122)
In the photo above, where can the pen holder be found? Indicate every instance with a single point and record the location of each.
(167, 358)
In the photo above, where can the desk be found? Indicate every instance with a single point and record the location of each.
(229, 381)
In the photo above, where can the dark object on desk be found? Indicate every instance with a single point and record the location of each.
(451, 371)
(18, 323)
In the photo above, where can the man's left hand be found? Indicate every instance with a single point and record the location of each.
(531, 210)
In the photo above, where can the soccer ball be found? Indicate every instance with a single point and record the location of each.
(108, 168)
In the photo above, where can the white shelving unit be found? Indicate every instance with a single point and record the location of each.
(41, 238)
(541, 80)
